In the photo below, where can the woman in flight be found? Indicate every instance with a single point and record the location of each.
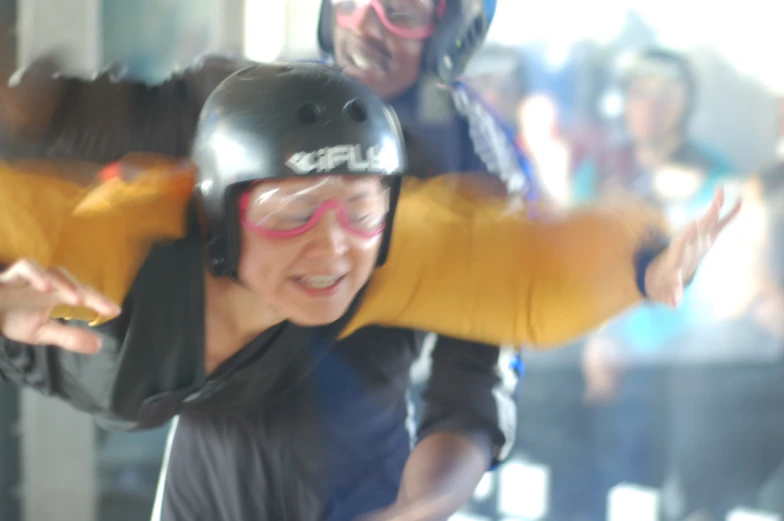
(221, 304)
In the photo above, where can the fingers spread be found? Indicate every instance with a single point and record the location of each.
(70, 338)
(86, 296)
(684, 240)
(39, 287)
(26, 272)
(712, 215)
(99, 303)
(27, 298)
(734, 211)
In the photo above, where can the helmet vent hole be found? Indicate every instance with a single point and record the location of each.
(355, 110)
(308, 113)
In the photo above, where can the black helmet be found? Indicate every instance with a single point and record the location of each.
(461, 29)
(285, 120)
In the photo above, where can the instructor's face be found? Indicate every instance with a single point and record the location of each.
(368, 51)
(310, 245)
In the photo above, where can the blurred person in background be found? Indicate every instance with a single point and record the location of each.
(726, 421)
(409, 52)
(656, 161)
(608, 395)
(660, 163)
(658, 92)
(625, 366)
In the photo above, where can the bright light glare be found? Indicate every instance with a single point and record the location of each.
(265, 29)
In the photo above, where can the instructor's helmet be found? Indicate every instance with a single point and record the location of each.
(287, 120)
(461, 27)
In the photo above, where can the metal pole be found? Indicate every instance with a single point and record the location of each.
(10, 450)
(10, 459)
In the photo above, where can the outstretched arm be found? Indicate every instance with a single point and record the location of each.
(477, 268)
(461, 265)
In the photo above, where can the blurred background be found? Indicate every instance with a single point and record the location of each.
(656, 416)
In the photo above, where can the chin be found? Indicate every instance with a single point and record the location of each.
(318, 317)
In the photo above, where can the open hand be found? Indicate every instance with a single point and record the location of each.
(665, 276)
(29, 293)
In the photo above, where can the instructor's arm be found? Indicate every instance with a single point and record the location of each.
(102, 119)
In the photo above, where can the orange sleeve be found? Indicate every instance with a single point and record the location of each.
(100, 233)
(477, 267)
(461, 264)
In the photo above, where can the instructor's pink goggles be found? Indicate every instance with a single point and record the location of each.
(277, 214)
(411, 19)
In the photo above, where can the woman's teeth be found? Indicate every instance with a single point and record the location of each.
(320, 281)
(363, 63)
(360, 62)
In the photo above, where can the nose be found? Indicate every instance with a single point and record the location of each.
(329, 238)
(369, 24)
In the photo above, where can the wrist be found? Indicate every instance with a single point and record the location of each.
(646, 258)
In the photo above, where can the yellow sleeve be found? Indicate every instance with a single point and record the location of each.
(477, 267)
(100, 233)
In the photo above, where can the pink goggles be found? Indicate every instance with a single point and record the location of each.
(410, 19)
(352, 224)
